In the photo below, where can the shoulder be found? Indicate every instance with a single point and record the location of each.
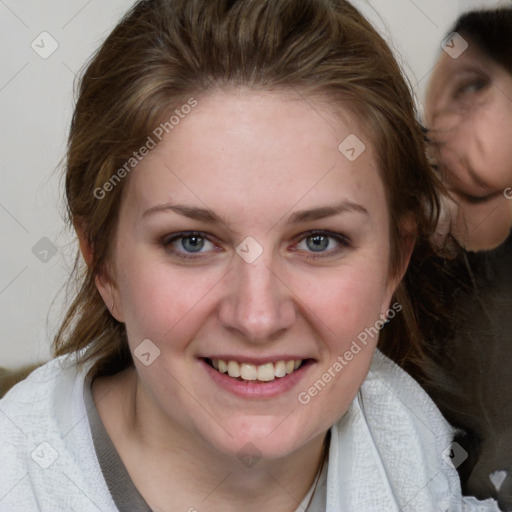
(394, 398)
(34, 399)
(46, 442)
(397, 446)
(39, 400)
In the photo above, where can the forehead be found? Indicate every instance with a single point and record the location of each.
(276, 148)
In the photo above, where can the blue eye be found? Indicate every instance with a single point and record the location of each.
(197, 245)
(192, 243)
(317, 243)
(186, 245)
(323, 243)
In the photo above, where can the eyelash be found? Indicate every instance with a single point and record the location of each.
(342, 241)
(477, 83)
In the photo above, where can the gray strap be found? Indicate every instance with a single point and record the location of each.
(124, 493)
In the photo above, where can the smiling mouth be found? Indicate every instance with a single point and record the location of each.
(251, 372)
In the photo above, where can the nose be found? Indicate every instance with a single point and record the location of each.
(445, 124)
(257, 303)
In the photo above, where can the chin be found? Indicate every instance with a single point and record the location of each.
(260, 438)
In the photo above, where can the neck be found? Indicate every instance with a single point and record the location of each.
(483, 227)
(170, 464)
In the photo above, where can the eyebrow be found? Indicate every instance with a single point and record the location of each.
(323, 212)
(207, 215)
(191, 212)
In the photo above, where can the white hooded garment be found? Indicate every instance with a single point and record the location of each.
(385, 455)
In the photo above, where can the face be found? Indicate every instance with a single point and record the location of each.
(246, 239)
(469, 109)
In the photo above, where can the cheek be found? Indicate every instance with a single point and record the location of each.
(350, 323)
(347, 301)
(481, 138)
(498, 130)
(157, 299)
(445, 124)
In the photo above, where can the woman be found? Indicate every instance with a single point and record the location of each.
(246, 207)
(469, 113)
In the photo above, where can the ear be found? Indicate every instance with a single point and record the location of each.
(408, 235)
(104, 281)
(85, 247)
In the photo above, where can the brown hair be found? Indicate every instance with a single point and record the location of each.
(165, 51)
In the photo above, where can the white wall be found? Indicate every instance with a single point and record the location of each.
(36, 104)
(416, 28)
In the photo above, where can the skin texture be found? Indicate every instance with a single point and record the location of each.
(254, 159)
(469, 110)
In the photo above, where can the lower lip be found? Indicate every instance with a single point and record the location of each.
(254, 388)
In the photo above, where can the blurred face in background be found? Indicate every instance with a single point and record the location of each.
(469, 113)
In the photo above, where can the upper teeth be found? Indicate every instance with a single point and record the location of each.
(264, 372)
